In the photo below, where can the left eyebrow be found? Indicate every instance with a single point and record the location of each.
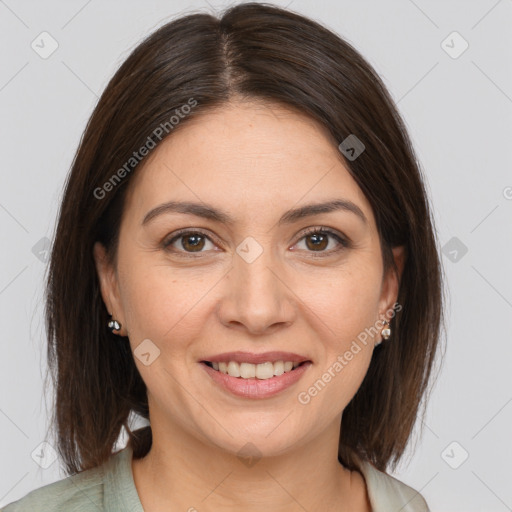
(209, 212)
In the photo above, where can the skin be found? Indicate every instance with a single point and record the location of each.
(254, 161)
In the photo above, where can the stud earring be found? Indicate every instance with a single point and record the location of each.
(385, 332)
(114, 325)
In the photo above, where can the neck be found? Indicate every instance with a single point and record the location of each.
(191, 474)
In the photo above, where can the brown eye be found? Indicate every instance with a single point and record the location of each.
(191, 242)
(317, 240)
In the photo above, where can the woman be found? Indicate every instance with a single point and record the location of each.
(245, 257)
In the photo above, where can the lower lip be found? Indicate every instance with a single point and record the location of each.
(257, 388)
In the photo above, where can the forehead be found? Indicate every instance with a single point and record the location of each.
(248, 155)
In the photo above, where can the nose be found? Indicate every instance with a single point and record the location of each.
(257, 297)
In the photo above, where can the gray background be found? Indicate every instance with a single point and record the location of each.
(459, 113)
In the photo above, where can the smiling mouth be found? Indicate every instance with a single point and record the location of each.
(260, 371)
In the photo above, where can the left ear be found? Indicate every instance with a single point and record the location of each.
(391, 282)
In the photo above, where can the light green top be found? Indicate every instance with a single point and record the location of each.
(111, 488)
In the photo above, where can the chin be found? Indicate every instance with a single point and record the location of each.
(255, 443)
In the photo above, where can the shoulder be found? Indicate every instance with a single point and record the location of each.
(388, 493)
(76, 493)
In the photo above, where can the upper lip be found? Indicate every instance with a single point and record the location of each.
(249, 357)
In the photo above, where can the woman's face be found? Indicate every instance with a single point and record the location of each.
(252, 281)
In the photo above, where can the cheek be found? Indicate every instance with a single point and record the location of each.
(345, 344)
(163, 305)
(343, 320)
(344, 303)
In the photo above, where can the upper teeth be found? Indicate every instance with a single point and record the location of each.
(249, 371)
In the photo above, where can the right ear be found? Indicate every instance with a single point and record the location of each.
(108, 284)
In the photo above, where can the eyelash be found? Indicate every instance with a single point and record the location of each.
(343, 242)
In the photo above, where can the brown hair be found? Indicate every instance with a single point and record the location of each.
(254, 51)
